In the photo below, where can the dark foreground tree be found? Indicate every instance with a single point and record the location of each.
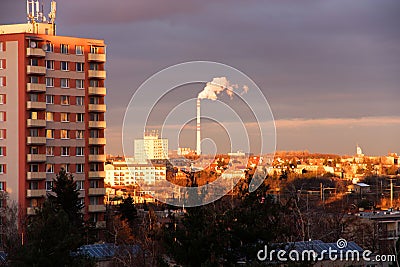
(56, 230)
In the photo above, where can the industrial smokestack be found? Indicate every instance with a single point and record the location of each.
(198, 136)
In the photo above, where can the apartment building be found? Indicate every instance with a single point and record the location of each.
(52, 114)
(150, 147)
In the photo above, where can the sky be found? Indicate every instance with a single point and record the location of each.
(329, 69)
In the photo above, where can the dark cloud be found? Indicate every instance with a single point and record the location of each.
(312, 58)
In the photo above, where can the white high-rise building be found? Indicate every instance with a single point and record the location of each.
(150, 147)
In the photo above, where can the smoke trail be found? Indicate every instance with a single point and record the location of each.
(217, 86)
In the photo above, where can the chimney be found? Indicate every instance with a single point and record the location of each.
(198, 137)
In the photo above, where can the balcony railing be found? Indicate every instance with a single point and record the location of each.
(97, 124)
(97, 57)
(100, 74)
(97, 91)
(35, 52)
(97, 191)
(35, 175)
(35, 105)
(98, 174)
(97, 107)
(35, 140)
(97, 158)
(35, 123)
(97, 141)
(35, 192)
(40, 70)
(35, 158)
(36, 87)
(97, 208)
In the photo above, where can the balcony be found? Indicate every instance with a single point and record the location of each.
(97, 107)
(35, 140)
(97, 57)
(98, 174)
(35, 192)
(35, 158)
(97, 158)
(36, 87)
(40, 70)
(35, 123)
(97, 208)
(97, 191)
(101, 225)
(35, 52)
(35, 105)
(97, 124)
(31, 211)
(99, 74)
(35, 175)
(97, 141)
(97, 91)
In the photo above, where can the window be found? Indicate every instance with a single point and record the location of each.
(94, 116)
(34, 185)
(34, 62)
(34, 168)
(2, 149)
(94, 133)
(94, 49)
(34, 132)
(79, 50)
(64, 100)
(94, 184)
(49, 82)
(64, 134)
(1, 46)
(94, 100)
(80, 134)
(33, 115)
(2, 184)
(64, 49)
(2, 81)
(49, 168)
(49, 151)
(80, 117)
(79, 168)
(64, 151)
(33, 97)
(2, 116)
(79, 67)
(79, 151)
(34, 79)
(94, 167)
(50, 64)
(2, 168)
(64, 117)
(2, 133)
(80, 185)
(94, 66)
(49, 47)
(49, 116)
(50, 134)
(2, 99)
(94, 150)
(65, 167)
(2, 64)
(80, 84)
(49, 99)
(64, 83)
(64, 65)
(49, 185)
(34, 150)
(94, 83)
(79, 101)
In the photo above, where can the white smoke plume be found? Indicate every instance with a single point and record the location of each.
(217, 86)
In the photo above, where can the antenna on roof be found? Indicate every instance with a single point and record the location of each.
(53, 11)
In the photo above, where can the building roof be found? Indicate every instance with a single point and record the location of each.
(106, 251)
(363, 185)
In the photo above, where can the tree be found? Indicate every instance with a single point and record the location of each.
(128, 210)
(56, 230)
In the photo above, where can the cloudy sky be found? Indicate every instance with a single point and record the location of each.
(329, 68)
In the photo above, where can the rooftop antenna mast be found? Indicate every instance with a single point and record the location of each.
(32, 11)
(53, 11)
